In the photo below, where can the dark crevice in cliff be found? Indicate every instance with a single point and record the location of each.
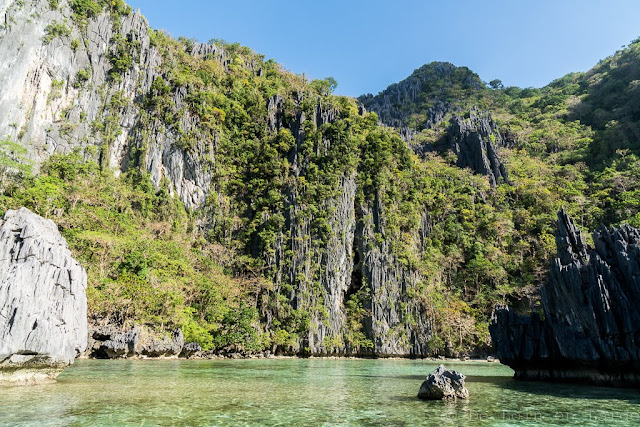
(356, 274)
(13, 319)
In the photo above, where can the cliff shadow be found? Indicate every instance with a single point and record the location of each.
(563, 389)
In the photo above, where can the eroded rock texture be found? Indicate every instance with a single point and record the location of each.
(349, 263)
(425, 91)
(43, 303)
(475, 142)
(591, 326)
(424, 101)
(111, 342)
(443, 384)
(54, 95)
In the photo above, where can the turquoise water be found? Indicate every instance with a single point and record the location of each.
(303, 392)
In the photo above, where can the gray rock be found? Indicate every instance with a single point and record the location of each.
(190, 349)
(424, 96)
(40, 82)
(112, 342)
(420, 93)
(591, 326)
(167, 345)
(443, 384)
(109, 342)
(475, 142)
(43, 303)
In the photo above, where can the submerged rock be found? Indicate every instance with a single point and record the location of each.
(590, 329)
(43, 303)
(443, 384)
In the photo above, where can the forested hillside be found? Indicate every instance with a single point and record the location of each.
(205, 188)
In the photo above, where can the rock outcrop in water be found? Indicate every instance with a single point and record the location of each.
(591, 326)
(443, 384)
(43, 303)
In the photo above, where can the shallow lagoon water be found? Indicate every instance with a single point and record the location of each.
(303, 392)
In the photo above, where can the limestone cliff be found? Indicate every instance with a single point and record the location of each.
(351, 264)
(43, 305)
(61, 92)
(98, 81)
(590, 328)
(425, 98)
(475, 142)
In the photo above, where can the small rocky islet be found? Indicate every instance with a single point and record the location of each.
(443, 384)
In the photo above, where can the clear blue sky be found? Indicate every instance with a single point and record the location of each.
(367, 45)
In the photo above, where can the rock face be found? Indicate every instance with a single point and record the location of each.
(349, 263)
(58, 98)
(48, 108)
(443, 384)
(423, 101)
(43, 303)
(475, 142)
(110, 342)
(591, 326)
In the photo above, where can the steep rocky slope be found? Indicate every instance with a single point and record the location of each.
(475, 143)
(91, 77)
(43, 302)
(72, 77)
(589, 331)
(426, 98)
(444, 99)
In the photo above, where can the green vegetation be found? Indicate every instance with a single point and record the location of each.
(83, 10)
(82, 77)
(122, 54)
(576, 147)
(14, 164)
(54, 30)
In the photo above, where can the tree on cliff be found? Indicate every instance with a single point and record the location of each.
(13, 160)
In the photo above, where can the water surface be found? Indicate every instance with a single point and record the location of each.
(303, 392)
